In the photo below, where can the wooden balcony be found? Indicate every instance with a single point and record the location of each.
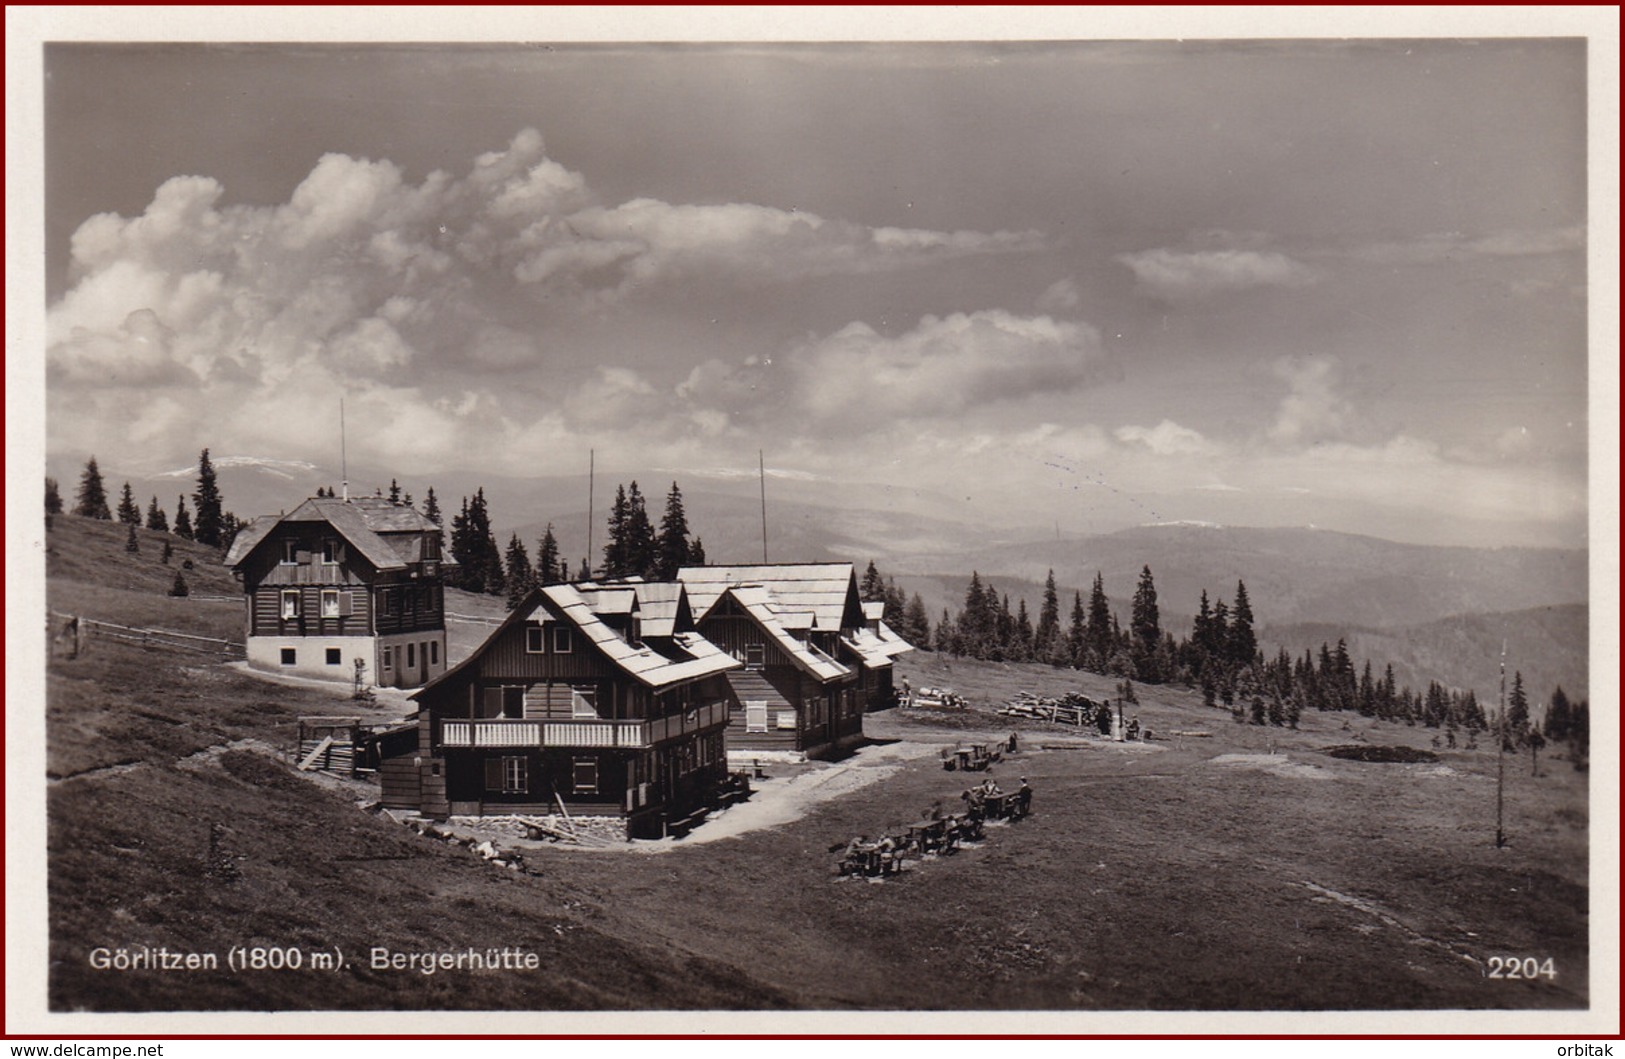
(505, 732)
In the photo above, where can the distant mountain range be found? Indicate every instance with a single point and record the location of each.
(1548, 645)
(1437, 612)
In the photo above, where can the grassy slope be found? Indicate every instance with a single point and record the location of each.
(1148, 878)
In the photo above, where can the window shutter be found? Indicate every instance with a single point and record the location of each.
(493, 774)
(346, 605)
(492, 704)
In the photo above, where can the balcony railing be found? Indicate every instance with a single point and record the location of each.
(503, 732)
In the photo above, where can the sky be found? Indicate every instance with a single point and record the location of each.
(1339, 283)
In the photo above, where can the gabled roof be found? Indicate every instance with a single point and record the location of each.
(249, 537)
(647, 665)
(877, 648)
(758, 603)
(823, 589)
(370, 525)
(610, 599)
(692, 658)
(874, 609)
(892, 643)
(662, 607)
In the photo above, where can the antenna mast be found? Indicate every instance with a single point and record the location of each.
(761, 474)
(1501, 754)
(591, 457)
(344, 453)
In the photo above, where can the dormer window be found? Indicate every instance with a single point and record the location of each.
(332, 552)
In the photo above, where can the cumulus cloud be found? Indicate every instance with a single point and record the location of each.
(857, 377)
(1060, 297)
(1314, 409)
(1167, 438)
(366, 282)
(1194, 274)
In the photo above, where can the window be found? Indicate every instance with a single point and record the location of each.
(290, 604)
(503, 701)
(584, 703)
(290, 656)
(392, 601)
(335, 656)
(787, 719)
(756, 716)
(290, 552)
(388, 660)
(753, 656)
(332, 552)
(535, 640)
(411, 656)
(434, 652)
(330, 602)
(561, 640)
(585, 775)
(507, 775)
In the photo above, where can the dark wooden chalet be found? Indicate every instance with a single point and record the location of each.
(591, 699)
(786, 624)
(334, 581)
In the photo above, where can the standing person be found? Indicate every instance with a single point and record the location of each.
(1024, 798)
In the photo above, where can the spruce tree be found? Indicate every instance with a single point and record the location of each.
(615, 560)
(1202, 634)
(519, 576)
(208, 525)
(671, 547)
(1077, 634)
(431, 507)
(461, 553)
(156, 519)
(1023, 646)
(943, 642)
(1145, 628)
(1099, 635)
(168, 552)
(183, 520)
(394, 491)
(1558, 717)
(893, 597)
(129, 512)
(870, 587)
(640, 535)
(549, 568)
(1048, 632)
(92, 494)
(1242, 642)
(916, 623)
(696, 553)
(1518, 711)
(178, 586)
(132, 543)
(53, 497)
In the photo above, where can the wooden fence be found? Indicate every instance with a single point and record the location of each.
(75, 628)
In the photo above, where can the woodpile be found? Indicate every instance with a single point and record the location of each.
(1071, 708)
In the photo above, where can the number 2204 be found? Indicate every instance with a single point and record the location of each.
(1509, 967)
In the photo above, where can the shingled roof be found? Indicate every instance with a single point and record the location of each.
(758, 603)
(821, 590)
(578, 604)
(388, 535)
